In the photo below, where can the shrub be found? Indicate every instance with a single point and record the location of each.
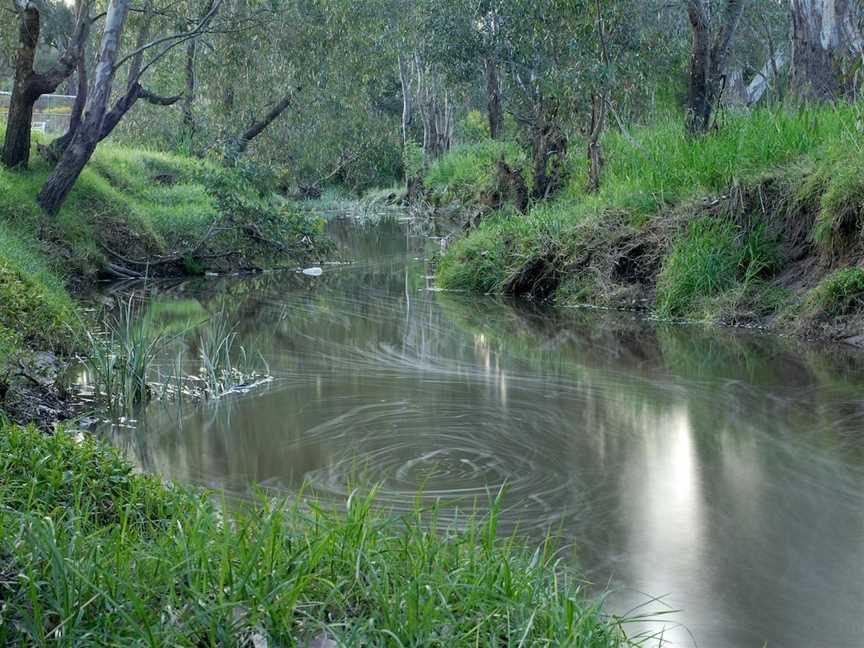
(473, 128)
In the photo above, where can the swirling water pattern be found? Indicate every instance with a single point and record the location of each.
(721, 471)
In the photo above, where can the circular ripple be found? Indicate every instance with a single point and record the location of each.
(461, 463)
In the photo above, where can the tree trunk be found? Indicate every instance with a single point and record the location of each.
(698, 100)
(548, 150)
(189, 98)
(407, 99)
(30, 85)
(824, 33)
(436, 111)
(16, 147)
(708, 60)
(511, 186)
(55, 149)
(493, 98)
(595, 149)
(56, 189)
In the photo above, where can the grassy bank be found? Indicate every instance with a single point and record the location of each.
(761, 222)
(91, 554)
(132, 214)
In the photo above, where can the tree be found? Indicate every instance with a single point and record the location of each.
(824, 34)
(708, 59)
(86, 137)
(29, 85)
(99, 121)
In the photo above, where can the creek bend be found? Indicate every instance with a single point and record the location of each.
(722, 471)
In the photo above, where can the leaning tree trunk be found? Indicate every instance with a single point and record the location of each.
(30, 85)
(55, 149)
(493, 99)
(56, 189)
(240, 143)
(824, 33)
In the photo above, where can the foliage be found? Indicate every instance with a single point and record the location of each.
(703, 263)
(473, 128)
(413, 160)
(93, 554)
(120, 360)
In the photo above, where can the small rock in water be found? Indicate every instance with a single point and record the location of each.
(313, 272)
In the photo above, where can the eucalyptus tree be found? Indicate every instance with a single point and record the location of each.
(100, 117)
(826, 40)
(465, 38)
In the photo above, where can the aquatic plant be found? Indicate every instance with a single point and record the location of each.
(119, 359)
(225, 365)
(123, 368)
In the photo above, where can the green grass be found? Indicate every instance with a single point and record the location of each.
(35, 308)
(93, 555)
(840, 293)
(667, 167)
(143, 204)
(468, 171)
(713, 256)
(799, 168)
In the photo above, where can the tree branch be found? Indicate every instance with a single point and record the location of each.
(181, 37)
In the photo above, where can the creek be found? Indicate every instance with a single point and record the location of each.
(721, 471)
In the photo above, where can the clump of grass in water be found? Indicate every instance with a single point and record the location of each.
(122, 363)
(224, 370)
(120, 359)
(93, 554)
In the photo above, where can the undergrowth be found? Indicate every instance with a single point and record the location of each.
(133, 214)
(93, 555)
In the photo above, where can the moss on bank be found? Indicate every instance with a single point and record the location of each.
(737, 227)
(91, 554)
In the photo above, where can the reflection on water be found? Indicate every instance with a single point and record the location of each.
(724, 472)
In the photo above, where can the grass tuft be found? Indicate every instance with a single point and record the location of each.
(840, 293)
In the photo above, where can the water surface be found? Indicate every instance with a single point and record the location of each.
(721, 471)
